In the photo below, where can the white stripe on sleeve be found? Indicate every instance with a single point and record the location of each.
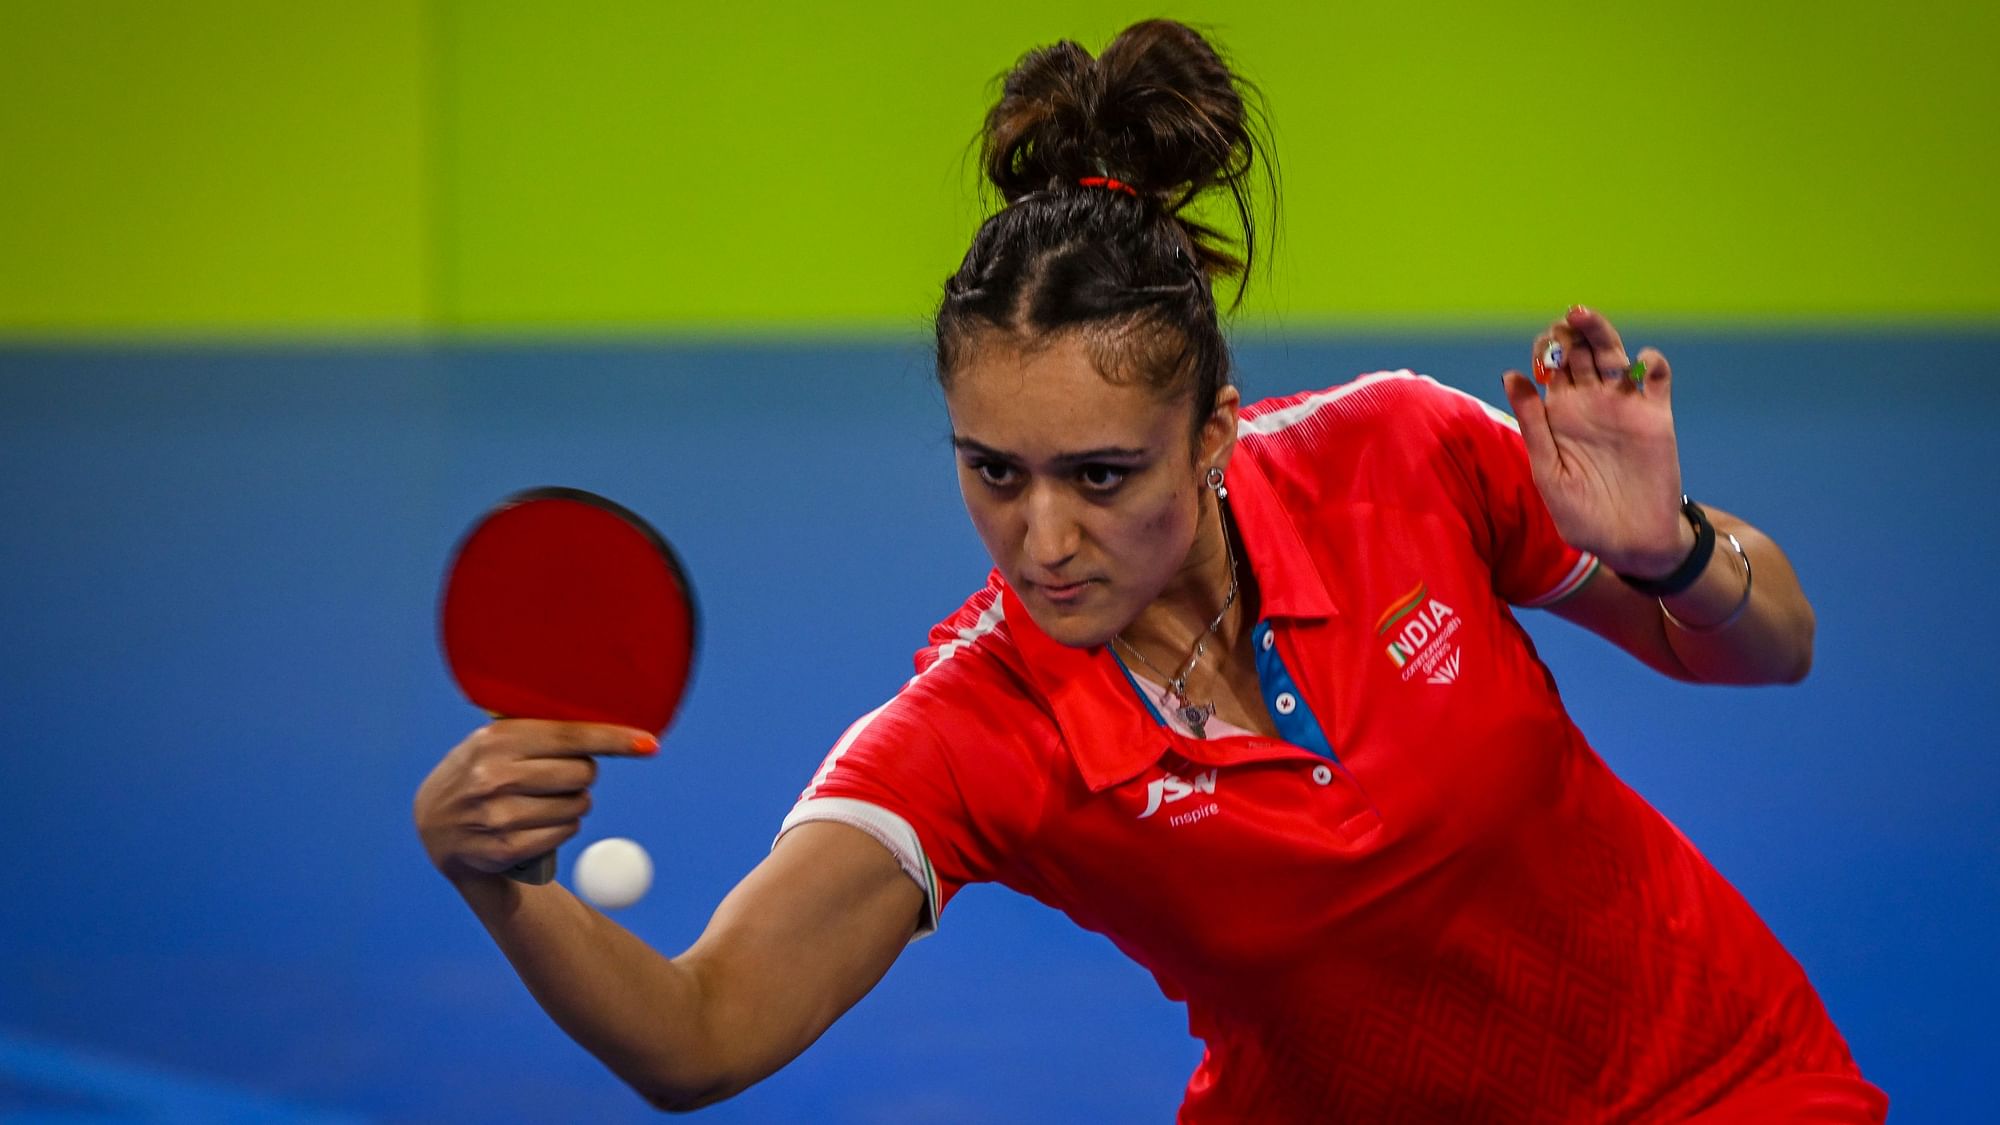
(1570, 584)
(889, 830)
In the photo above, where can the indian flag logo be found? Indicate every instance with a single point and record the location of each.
(1409, 603)
(1418, 629)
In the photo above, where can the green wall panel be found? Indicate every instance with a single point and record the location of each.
(203, 166)
(639, 165)
(504, 166)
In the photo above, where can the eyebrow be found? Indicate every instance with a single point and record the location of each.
(1104, 453)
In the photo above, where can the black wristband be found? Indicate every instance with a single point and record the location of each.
(1691, 567)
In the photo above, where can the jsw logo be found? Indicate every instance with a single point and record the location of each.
(1166, 790)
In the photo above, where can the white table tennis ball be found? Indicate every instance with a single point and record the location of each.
(613, 873)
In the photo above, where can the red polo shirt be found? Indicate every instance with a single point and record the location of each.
(1429, 899)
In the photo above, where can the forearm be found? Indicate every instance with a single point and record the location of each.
(638, 1011)
(795, 944)
(1770, 641)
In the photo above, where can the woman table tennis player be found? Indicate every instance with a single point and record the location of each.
(1246, 694)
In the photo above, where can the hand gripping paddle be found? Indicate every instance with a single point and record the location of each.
(560, 604)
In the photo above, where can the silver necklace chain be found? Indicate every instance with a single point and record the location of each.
(1195, 715)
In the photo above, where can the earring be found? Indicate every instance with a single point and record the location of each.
(1214, 482)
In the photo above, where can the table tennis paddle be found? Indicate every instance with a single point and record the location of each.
(559, 604)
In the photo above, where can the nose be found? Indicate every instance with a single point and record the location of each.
(1052, 532)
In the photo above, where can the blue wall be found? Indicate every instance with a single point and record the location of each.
(219, 689)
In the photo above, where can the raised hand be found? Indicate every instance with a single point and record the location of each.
(1601, 445)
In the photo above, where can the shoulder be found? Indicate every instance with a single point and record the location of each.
(970, 658)
(1381, 404)
(969, 696)
(1379, 436)
(964, 752)
(977, 628)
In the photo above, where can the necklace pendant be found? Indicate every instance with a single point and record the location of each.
(1196, 717)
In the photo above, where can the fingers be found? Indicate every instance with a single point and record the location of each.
(1546, 359)
(1592, 353)
(1531, 413)
(1613, 364)
(515, 789)
(543, 738)
(503, 815)
(538, 777)
(497, 769)
(1579, 362)
(1602, 339)
(493, 854)
(1558, 352)
(1572, 364)
(1659, 377)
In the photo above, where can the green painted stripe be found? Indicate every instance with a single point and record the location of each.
(1404, 609)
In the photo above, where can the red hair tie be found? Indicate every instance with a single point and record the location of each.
(1108, 182)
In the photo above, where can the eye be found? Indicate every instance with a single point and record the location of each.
(993, 473)
(1103, 478)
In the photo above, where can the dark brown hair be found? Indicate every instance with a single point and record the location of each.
(1161, 112)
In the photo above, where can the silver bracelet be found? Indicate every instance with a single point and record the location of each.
(1741, 604)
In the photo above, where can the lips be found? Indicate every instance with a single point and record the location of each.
(1063, 593)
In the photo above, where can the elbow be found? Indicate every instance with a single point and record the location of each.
(1802, 648)
(700, 1073)
(671, 1101)
(1801, 667)
(675, 1102)
(688, 1085)
(684, 1084)
(1794, 662)
(686, 1098)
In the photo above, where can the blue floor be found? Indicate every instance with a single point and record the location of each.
(220, 688)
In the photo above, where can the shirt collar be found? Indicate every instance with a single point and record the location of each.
(1288, 581)
(1104, 723)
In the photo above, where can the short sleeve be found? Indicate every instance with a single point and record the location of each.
(944, 807)
(1532, 566)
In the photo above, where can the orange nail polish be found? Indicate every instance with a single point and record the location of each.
(645, 744)
(1547, 361)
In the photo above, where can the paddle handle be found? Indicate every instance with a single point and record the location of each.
(536, 871)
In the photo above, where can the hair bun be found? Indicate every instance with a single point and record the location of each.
(1159, 110)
